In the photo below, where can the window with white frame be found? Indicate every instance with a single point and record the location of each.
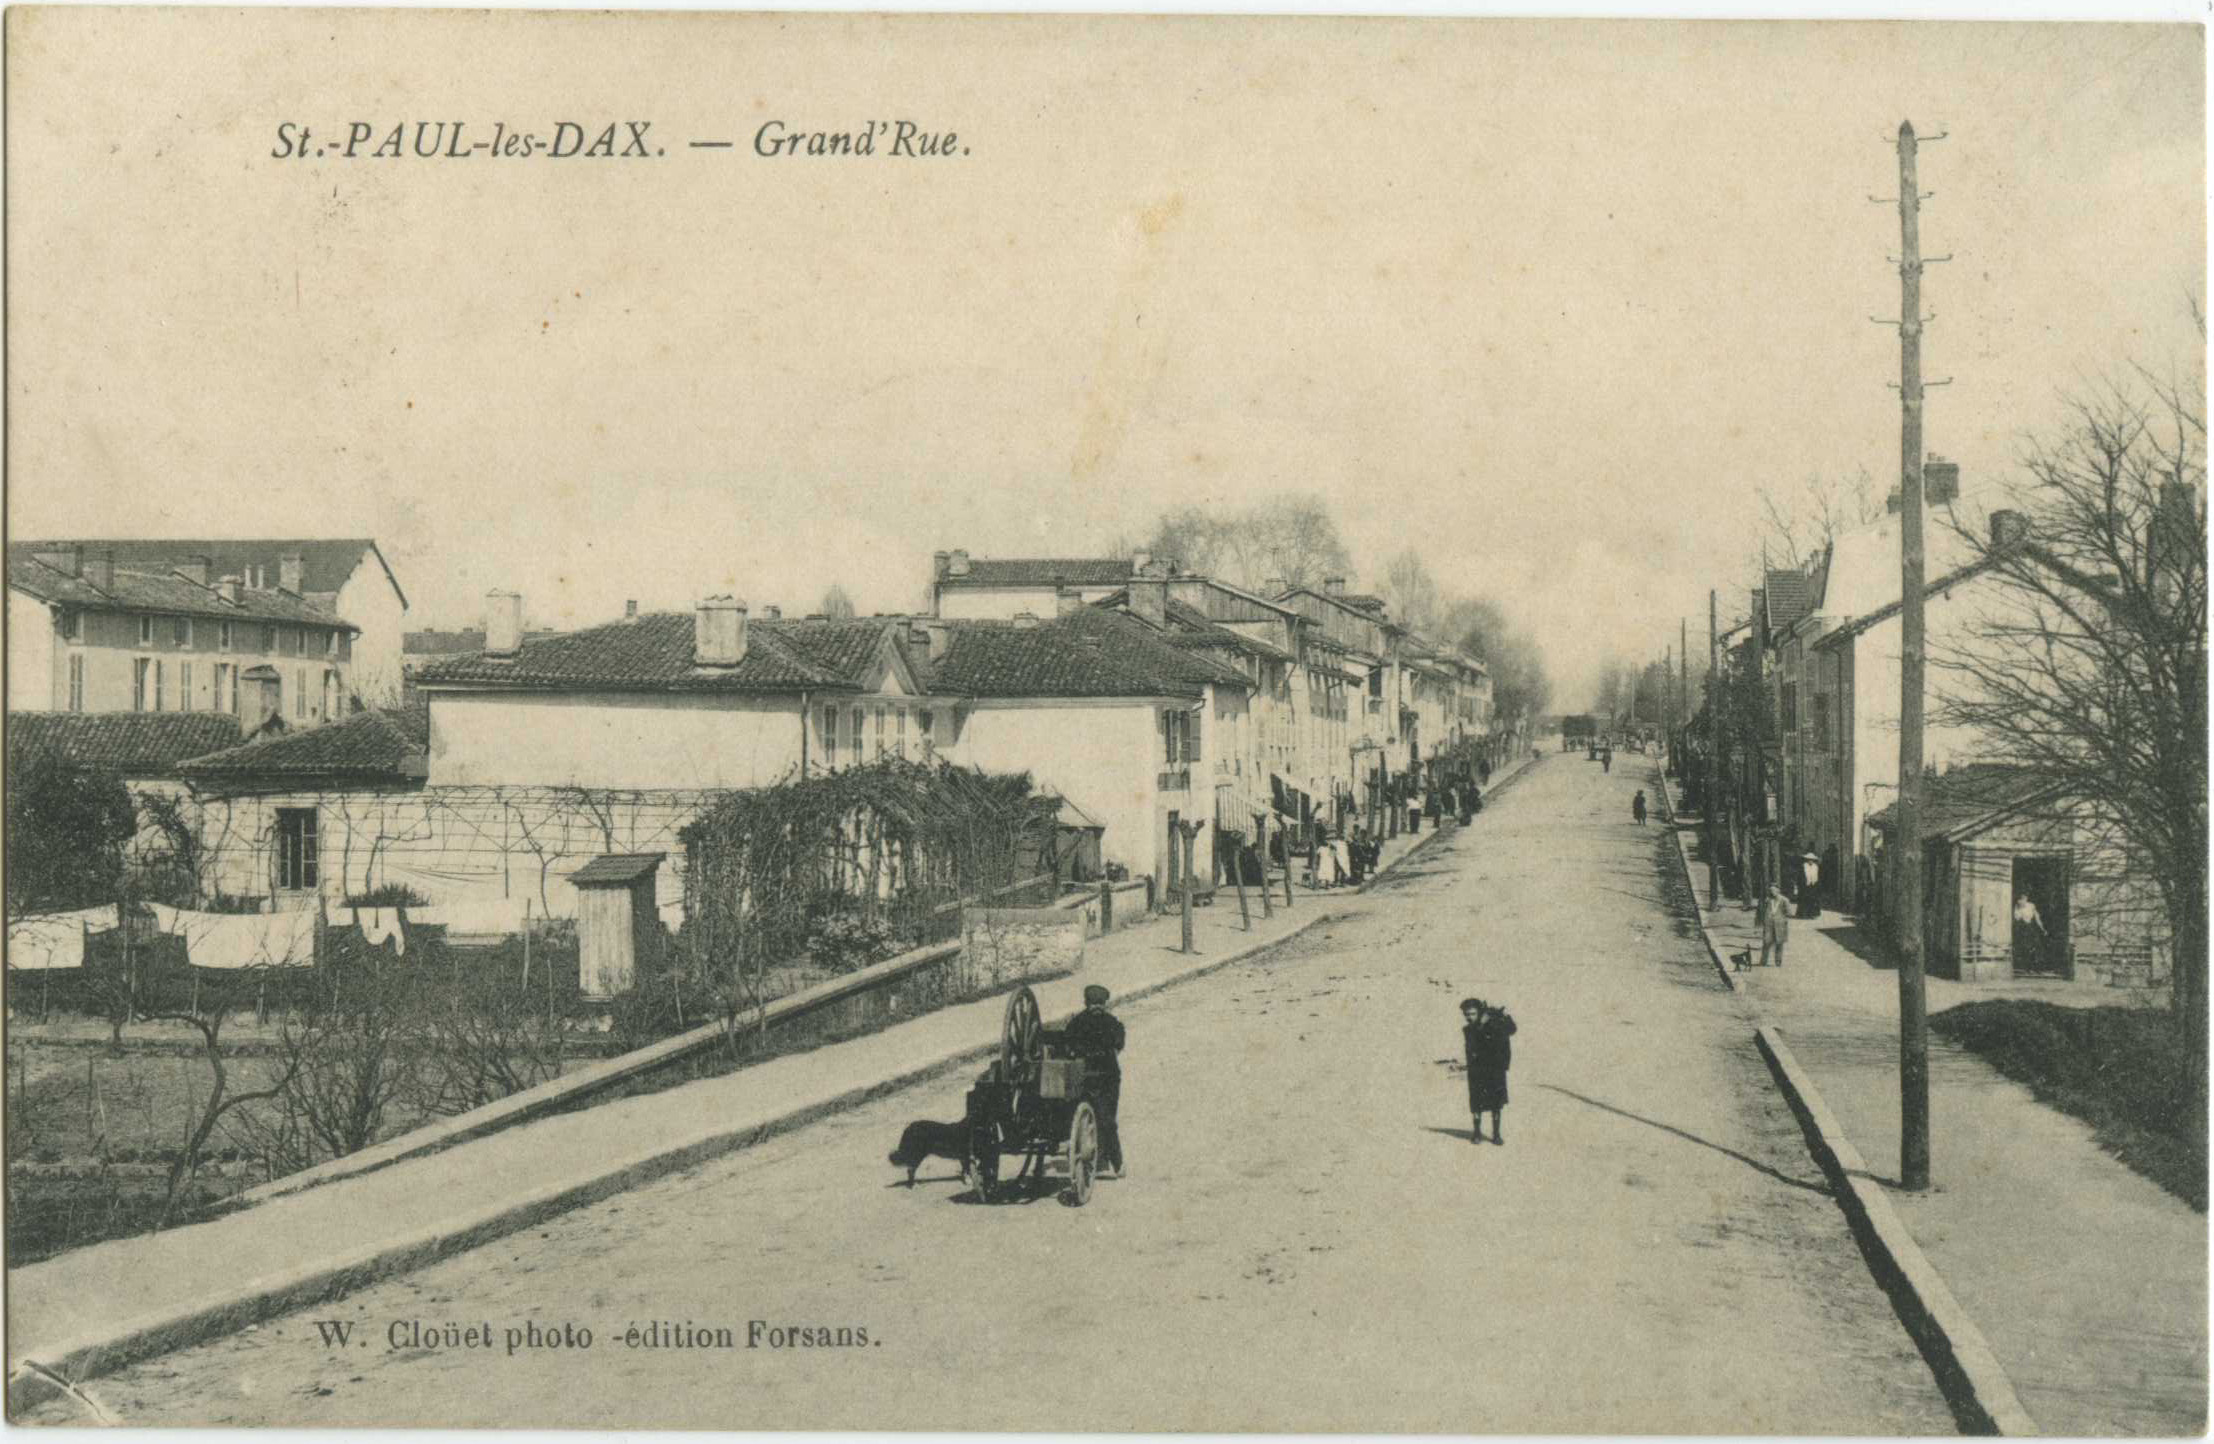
(901, 713)
(180, 631)
(158, 681)
(184, 686)
(300, 693)
(142, 682)
(226, 688)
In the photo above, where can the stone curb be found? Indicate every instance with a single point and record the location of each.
(52, 1373)
(1969, 1375)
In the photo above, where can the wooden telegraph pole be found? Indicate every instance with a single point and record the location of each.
(1906, 861)
(1713, 806)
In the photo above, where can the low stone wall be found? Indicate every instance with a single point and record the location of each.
(1006, 945)
(1132, 904)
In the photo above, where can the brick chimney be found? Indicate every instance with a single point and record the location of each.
(291, 569)
(1940, 481)
(2008, 528)
(957, 565)
(938, 563)
(1067, 600)
(719, 632)
(227, 589)
(1149, 598)
(503, 623)
(630, 610)
(772, 613)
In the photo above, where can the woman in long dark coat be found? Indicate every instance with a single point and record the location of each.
(1489, 1054)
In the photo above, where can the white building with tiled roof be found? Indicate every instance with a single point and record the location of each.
(348, 577)
(88, 635)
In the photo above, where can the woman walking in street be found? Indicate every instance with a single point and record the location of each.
(1637, 807)
(1484, 1038)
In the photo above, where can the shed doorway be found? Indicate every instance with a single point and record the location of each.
(2041, 941)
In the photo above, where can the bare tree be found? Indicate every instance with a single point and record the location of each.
(1797, 526)
(835, 604)
(2087, 661)
(1292, 538)
(1411, 594)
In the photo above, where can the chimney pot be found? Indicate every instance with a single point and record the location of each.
(938, 561)
(1067, 600)
(630, 610)
(103, 569)
(291, 568)
(227, 588)
(1940, 481)
(957, 565)
(719, 632)
(2008, 528)
(503, 623)
(1149, 599)
(772, 613)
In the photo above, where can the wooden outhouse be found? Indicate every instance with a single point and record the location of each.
(618, 929)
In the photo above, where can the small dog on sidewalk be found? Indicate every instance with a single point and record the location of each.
(1742, 960)
(923, 1139)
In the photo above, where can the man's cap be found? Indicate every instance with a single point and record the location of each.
(1094, 993)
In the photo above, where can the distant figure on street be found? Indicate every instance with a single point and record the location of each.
(1483, 773)
(1775, 925)
(1484, 1034)
(1637, 807)
(1606, 760)
(2029, 934)
(1096, 1035)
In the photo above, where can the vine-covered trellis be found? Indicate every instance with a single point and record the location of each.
(895, 846)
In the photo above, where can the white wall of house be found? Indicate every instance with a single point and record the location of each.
(656, 740)
(1103, 755)
(32, 661)
(370, 603)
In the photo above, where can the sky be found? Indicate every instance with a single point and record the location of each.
(1548, 301)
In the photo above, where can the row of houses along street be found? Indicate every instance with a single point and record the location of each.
(323, 752)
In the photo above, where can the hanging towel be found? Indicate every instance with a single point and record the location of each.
(249, 940)
(502, 917)
(380, 924)
(55, 940)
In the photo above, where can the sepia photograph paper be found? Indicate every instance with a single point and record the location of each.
(883, 722)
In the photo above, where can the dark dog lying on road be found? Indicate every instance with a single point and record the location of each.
(924, 1139)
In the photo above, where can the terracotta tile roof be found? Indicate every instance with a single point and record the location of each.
(653, 653)
(1042, 572)
(1790, 596)
(169, 595)
(1968, 798)
(1089, 653)
(383, 743)
(139, 744)
(325, 562)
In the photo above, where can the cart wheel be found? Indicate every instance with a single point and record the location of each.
(1083, 1153)
(1018, 1036)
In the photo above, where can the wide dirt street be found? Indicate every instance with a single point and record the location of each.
(1308, 1239)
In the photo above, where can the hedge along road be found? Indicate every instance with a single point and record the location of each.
(1308, 1239)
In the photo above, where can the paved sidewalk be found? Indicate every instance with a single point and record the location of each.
(138, 1296)
(2089, 1281)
